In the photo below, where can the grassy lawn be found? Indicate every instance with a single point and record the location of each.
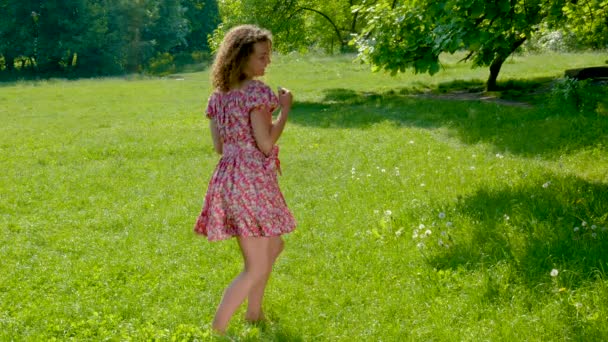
(419, 217)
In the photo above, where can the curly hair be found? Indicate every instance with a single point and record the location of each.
(233, 53)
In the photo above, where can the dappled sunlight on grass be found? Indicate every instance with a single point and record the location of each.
(422, 215)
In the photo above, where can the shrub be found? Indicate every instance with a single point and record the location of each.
(585, 96)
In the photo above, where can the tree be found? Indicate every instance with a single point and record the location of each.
(413, 34)
(295, 24)
(202, 17)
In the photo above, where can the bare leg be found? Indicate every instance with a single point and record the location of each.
(256, 294)
(257, 268)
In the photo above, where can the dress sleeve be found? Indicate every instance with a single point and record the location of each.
(261, 96)
(211, 110)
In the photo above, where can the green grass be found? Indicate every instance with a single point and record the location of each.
(103, 179)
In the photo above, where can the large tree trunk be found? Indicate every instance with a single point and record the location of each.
(494, 70)
(497, 64)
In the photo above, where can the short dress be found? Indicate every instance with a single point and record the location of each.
(243, 197)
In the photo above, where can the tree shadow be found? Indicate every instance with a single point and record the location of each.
(543, 129)
(535, 228)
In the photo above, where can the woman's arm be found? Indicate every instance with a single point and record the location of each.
(215, 135)
(265, 132)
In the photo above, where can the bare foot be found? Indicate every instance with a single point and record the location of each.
(252, 319)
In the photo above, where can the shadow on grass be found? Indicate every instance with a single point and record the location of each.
(535, 229)
(543, 129)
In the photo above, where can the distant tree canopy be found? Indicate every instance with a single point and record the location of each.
(104, 37)
(402, 35)
(100, 37)
(297, 25)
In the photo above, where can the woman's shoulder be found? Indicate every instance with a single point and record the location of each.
(257, 85)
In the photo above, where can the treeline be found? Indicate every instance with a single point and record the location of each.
(103, 37)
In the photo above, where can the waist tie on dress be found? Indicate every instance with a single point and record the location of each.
(271, 162)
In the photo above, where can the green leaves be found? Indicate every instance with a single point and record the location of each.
(491, 31)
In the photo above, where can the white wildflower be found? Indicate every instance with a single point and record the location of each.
(383, 170)
(420, 245)
(428, 232)
(422, 185)
(584, 223)
(472, 168)
(388, 213)
(421, 226)
(554, 273)
(411, 141)
(499, 156)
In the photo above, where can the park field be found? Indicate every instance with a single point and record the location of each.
(426, 212)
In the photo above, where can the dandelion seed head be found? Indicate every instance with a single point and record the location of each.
(441, 215)
(420, 245)
(576, 229)
(444, 233)
(593, 227)
(421, 226)
(546, 185)
(388, 213)
(584, 223)
(578, 305)
(449, 224)
(594, 235)
(428, 232)
(376, 211)
(440, 242)
(499, 156)
(554, 273)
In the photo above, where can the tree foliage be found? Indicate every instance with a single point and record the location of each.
(299, 25)
(99, 37)
(412, 34)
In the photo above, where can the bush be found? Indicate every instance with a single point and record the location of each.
(581, 96)
(161, 65)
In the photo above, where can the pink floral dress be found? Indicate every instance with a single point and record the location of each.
(243, 197)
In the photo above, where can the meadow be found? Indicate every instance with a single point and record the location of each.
(420, 217)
